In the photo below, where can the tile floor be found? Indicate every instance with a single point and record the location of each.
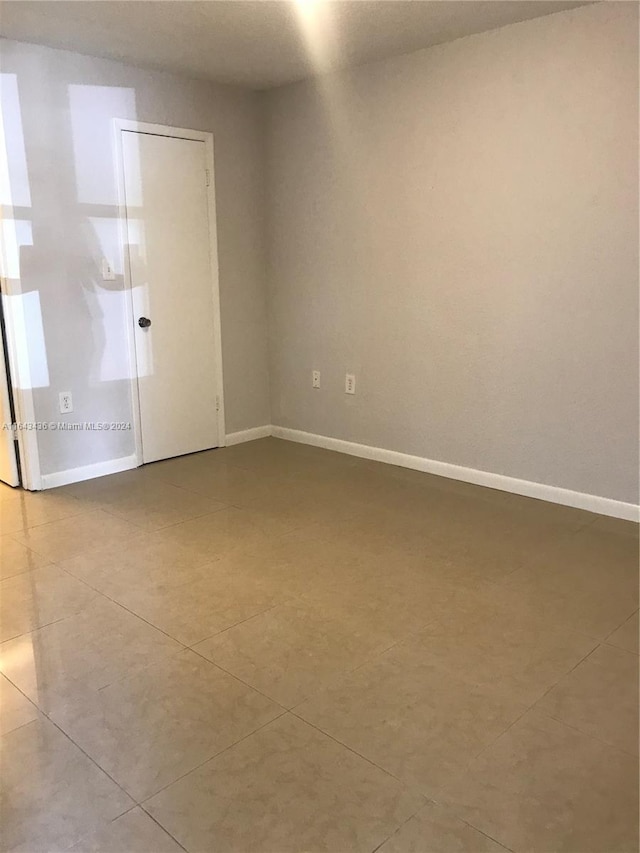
(275, 648)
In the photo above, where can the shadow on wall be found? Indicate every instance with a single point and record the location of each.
(63, 262)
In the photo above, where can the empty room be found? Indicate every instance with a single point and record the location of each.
(319, 426)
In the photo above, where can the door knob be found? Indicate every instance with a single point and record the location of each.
(144, 322)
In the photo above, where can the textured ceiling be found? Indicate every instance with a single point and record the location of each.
(256, 43)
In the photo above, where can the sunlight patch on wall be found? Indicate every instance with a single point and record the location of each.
(92, 109)
(106, 230)
(114, 360)
(319, 35)
(14, 178)
(14, 234)
(24, 314)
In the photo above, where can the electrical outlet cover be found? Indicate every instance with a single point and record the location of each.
(65, 401)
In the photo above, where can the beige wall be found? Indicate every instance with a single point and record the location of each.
(58, 109)
(459, 228)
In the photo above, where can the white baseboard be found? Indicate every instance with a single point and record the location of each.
(553, 494)
(114, 466)
(248, 435)
(88, 472)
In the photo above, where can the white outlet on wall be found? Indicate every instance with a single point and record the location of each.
(349, 383)
(315, 379)
(66, 402)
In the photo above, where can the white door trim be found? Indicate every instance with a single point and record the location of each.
(16, 333)
(120, 125)
(21, 390)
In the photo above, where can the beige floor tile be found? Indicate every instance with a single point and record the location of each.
(221, 482)
(133, 832)
(330, 572)
(588, 582)
(352, 479)
(286, 788)
(260, 567)
(411, 617)
(16, 558)
(272, 455)
(468, 518)
(410, 717)
(194, 611)
(94, 493)
(88, 650)
(290, 651)
(600, 698)
(223, 532)
(391, 606)
(435, 830)
(157, 505)
(503, 651)
(596, 546)
(376, 529)
(53, 794)
(148, 730)
(617, 525)
(461, 564)
(27, 509)
(299, 503)
(459, 540)
(15, 709)
(145, 563)
(626, 636)
(61, 540)
(167, 469)
(34, 599)
(567, 517)
(302, 562)
(546, 787)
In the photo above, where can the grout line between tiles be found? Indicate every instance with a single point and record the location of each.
(598, 643)
(141, 803)
(405, 785)
(77, 745)
(46, 624)
(163, 828)
(130, 796)
(395, 832)
(123, 607)
(22, 530)
(611, 633)
(102, 826)
(237, 678)
(486, 834)
(517, 720)
(588, 735)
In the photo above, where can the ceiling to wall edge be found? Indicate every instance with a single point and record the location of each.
(311, 74)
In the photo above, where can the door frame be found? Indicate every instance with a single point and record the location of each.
(19, 376)
(120, 125)
(6, 402)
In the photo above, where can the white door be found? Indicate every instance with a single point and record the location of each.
(166, 196)
(8, 448)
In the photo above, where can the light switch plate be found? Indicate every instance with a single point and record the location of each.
(108, 273)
